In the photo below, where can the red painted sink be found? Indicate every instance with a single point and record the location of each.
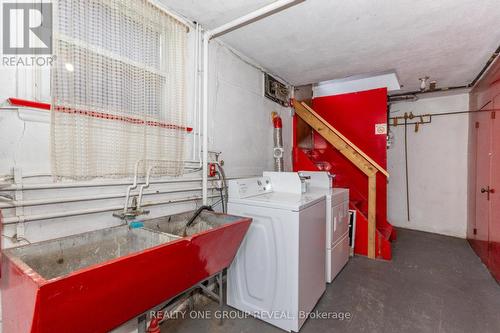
(96, 281)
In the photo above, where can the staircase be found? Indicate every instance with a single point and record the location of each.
(373, 233)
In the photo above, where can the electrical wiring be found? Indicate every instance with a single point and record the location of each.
(221, 191)
(225, 197)
(222, 195)
(216, 202)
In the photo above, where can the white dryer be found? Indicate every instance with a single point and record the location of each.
(337, 221)
(278, 274)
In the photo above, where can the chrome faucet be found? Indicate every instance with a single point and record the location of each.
(131, 212)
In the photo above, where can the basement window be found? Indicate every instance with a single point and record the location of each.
(117, 89)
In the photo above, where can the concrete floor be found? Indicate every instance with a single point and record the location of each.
(433, 284)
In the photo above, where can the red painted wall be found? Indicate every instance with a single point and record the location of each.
(483, 229)
(355, 115)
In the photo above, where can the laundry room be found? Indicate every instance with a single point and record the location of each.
(249, 165)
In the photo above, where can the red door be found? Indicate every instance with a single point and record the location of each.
(483, 168)
(494, 219)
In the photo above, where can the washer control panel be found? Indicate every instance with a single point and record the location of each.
(249, 187)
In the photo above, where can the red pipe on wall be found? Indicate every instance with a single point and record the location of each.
(278, 143)
(277, 122)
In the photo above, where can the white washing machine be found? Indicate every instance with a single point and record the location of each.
(278, 274)
(337, 221)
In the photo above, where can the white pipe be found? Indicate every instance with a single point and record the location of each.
(146, 185)
(133, 186)
(39, 202)
(143, 186)
(49, 186)
(206, 39)
(221, 30)
(195, 87)
(253, 16)
(199, 82)
(4, 179)
(189, 164)
(38, 217)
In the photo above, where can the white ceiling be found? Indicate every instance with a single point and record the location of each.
(317, 40)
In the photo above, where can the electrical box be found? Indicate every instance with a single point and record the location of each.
(275, 90)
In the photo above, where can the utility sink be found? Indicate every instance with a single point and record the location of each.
(175, 225)
(214, 238)
(96, 281)
(59, 258)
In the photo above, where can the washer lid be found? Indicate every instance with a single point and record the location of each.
(282, 200)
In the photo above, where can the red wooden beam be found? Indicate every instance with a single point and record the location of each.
(28, 104)
(45, 106)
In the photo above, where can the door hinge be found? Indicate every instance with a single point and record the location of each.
(474, 231)
(493, 115)
(477, 124)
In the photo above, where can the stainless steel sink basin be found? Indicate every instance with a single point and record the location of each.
(60, 257)
(175, 225)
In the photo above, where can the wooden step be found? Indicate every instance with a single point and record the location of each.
(386, 232)
(383, 245)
